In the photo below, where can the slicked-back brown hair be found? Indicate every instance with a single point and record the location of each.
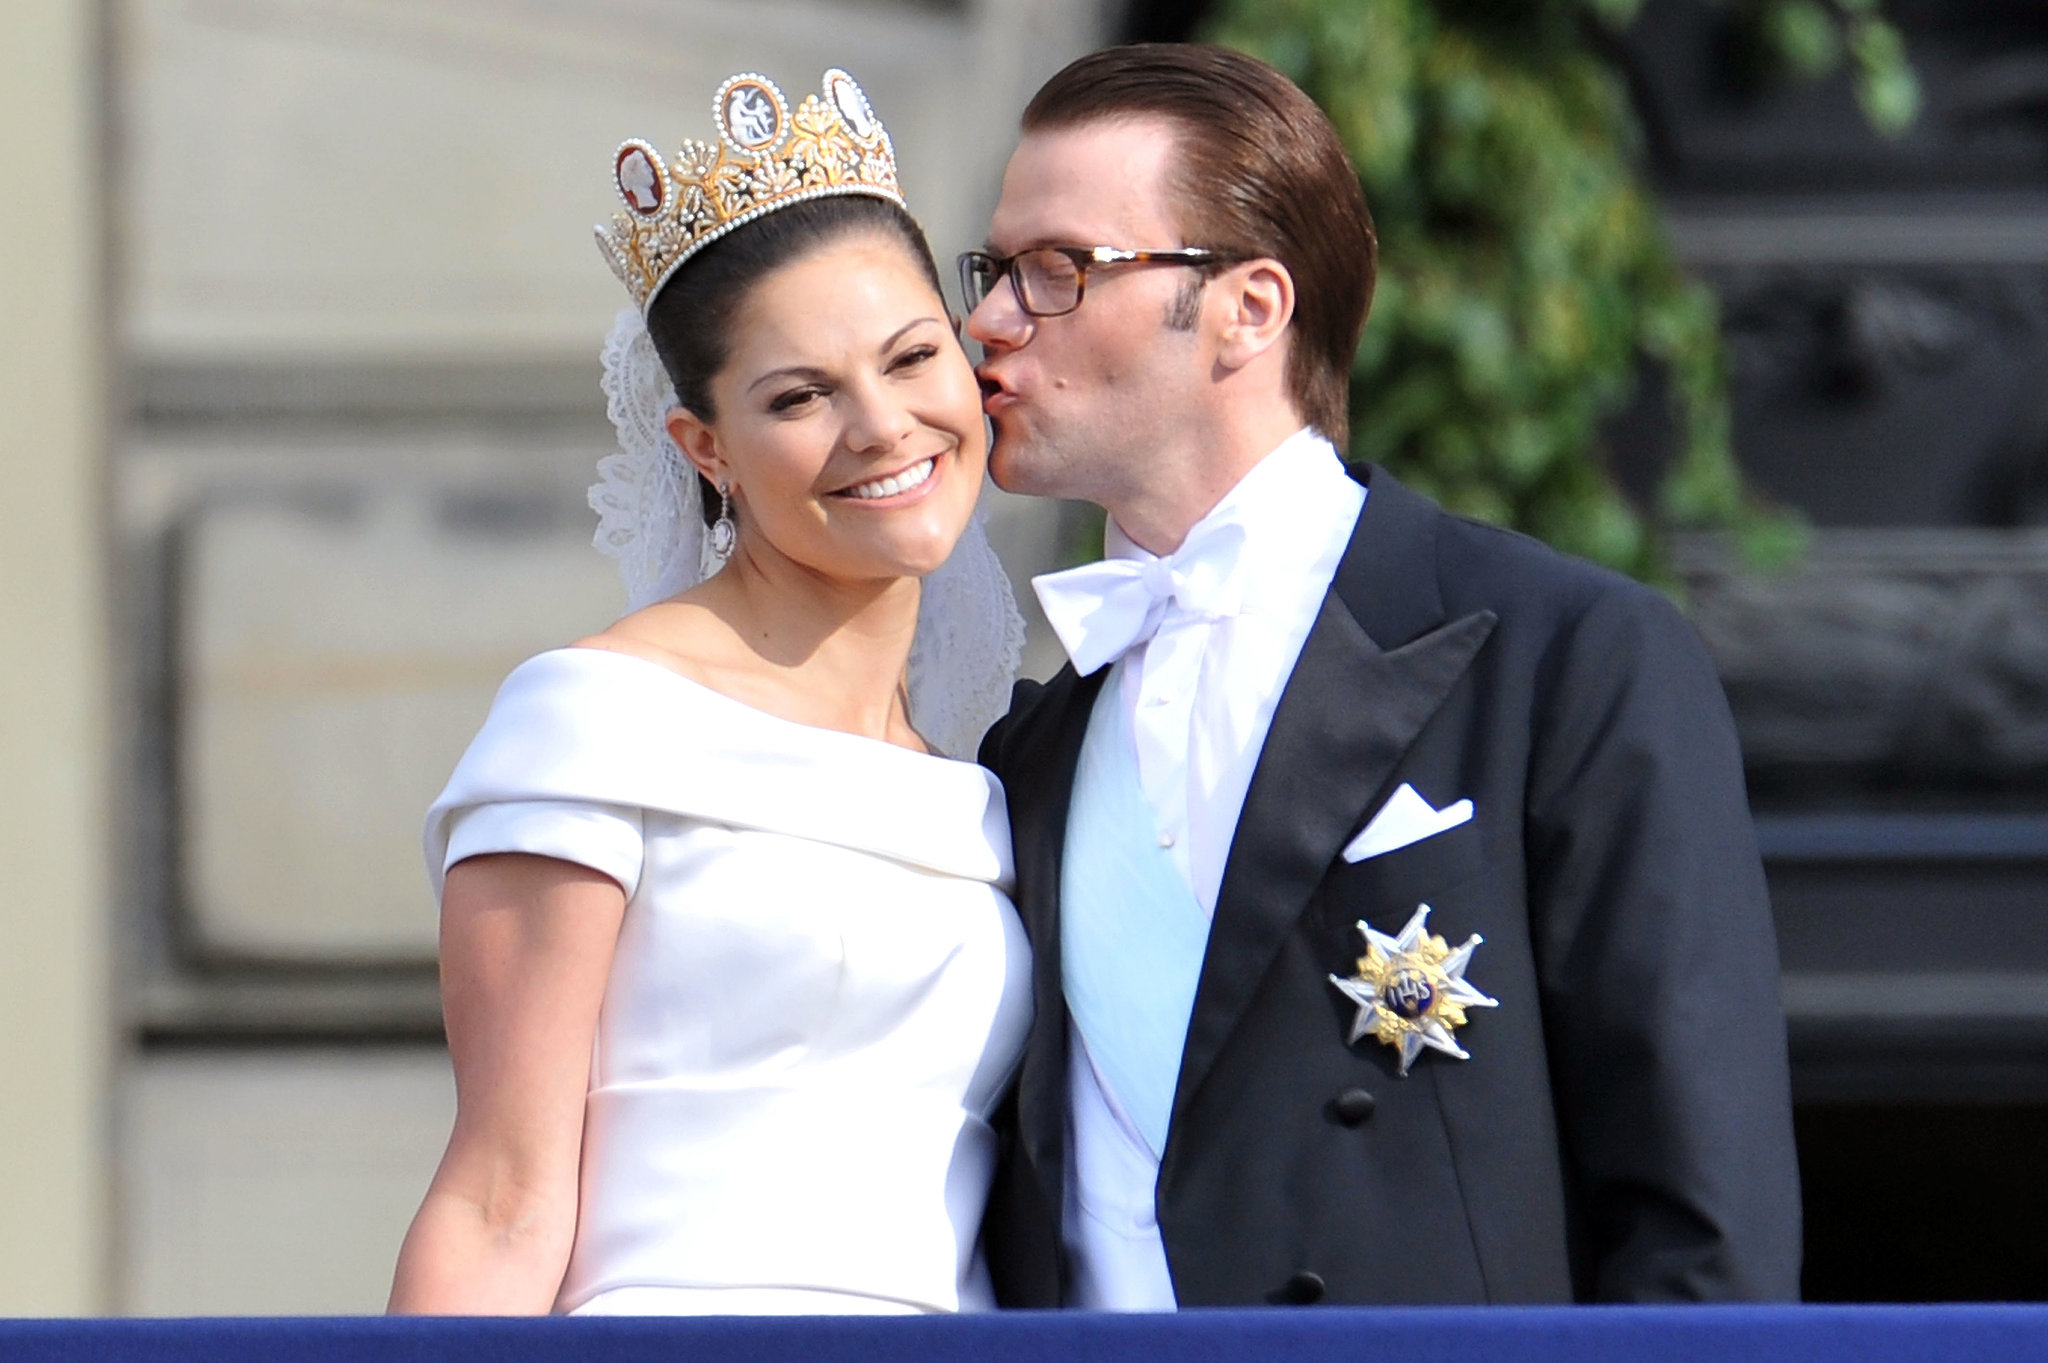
(1259, 172)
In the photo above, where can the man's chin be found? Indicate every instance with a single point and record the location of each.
(1007, 473)
(1033, 468)
(1016, 462)
(1004, 483)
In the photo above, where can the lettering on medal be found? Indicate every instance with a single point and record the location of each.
(1408, 995)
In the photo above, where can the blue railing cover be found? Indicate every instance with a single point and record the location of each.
(1781, 1334)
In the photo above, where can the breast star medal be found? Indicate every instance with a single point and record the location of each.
(1411, 990)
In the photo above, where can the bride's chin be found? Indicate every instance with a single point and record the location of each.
(879, 563)
(924, 563)
(930, 560)
(916, 550)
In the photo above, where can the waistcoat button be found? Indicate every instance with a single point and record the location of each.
(1303, 1289)
(1353, 1106)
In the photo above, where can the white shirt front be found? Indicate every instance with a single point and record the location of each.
(1200, 696)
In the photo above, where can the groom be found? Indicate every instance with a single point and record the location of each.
(1399, 927)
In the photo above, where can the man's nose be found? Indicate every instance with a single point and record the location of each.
(998, 319)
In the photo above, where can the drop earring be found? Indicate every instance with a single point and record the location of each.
(724, 534)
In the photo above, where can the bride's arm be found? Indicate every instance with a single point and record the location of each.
(526, 945)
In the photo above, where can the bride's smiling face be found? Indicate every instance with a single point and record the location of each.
(849, 423)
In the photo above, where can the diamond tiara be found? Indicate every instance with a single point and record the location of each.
(765, 158)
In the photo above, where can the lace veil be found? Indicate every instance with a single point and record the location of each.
(970, 637)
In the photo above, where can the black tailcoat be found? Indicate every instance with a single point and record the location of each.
(1622, 1130)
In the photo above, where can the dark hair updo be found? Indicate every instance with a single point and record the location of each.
(691, 318)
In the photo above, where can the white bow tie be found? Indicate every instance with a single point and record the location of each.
(1102, 611)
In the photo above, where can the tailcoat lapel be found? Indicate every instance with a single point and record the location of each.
(1377, 664)
(1040, 795)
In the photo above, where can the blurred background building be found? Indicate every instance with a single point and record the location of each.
(300, 399)
(298, 322)
(1886, 302)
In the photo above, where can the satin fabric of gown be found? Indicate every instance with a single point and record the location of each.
(819, 991)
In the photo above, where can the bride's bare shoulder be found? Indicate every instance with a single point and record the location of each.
(679, 634)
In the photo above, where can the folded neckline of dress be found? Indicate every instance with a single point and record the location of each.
(636, 744)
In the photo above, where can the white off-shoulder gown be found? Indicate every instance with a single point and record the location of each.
(819, 992)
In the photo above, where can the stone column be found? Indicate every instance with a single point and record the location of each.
(54, 848)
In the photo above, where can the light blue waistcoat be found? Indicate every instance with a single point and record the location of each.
(1132, 932)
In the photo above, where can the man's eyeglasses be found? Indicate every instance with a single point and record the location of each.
(1050, 280)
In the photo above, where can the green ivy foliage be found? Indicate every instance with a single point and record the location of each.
(1525, 273)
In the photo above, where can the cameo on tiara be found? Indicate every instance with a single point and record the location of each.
(765, 156)
(642, 184)
(852, 104)
(751, 113)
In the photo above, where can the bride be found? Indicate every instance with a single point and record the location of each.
(731, 975)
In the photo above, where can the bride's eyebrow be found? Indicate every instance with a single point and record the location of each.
(814, 374)
(905, 330)
(811, 373)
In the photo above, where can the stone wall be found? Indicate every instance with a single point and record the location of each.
(54, 722)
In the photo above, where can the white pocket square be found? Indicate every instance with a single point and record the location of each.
(1406, 817)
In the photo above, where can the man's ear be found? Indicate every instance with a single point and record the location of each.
(699, 444)
(1257, 302)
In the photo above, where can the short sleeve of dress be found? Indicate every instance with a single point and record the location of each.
(606, 838)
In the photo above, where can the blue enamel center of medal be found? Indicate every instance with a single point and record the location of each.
(1408, 995)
